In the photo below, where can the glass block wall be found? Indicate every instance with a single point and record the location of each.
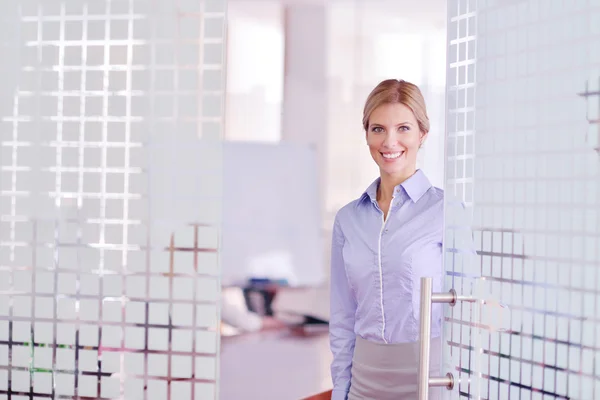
(522, 138)
(108, 288)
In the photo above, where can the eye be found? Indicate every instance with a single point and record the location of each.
(377, 129)
(404, 128)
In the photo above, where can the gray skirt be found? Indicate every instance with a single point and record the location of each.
(390, 371)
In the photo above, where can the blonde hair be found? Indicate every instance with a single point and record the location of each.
(394, 91)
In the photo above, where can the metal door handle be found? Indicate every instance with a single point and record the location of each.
(427, 299)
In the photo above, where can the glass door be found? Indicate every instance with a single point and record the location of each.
(523, 156)
(109, 226)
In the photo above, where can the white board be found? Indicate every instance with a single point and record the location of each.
(271, 214)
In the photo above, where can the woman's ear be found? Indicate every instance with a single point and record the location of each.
(422, 139)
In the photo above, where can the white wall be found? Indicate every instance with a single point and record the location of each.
(255, 70)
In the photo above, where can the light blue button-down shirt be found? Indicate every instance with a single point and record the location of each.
(376, 267)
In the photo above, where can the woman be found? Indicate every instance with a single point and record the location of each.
(383, 243)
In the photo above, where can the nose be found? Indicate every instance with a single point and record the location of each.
(390, 140)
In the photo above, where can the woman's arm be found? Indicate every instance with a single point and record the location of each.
(341, 320)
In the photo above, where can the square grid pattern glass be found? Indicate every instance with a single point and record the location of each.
(462, 321)
(526, 163)
(91, 305)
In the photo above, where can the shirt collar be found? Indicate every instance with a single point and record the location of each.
(415, 187)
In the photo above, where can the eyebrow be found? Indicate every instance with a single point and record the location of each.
(401, 123)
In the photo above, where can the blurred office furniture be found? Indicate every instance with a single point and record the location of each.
(236, 314)
(259, 298)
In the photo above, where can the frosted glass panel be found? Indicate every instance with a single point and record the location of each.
(105, 291)
(523, 156)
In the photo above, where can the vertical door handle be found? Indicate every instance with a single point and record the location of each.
(427, 299)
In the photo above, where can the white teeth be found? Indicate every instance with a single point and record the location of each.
(391, 155)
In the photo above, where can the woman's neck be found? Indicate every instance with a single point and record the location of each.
(388, 182)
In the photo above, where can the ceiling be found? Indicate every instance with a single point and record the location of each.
(429, 12)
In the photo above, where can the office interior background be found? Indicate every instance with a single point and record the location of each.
(142, 140)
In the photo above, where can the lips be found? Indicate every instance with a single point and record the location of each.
(392, 156)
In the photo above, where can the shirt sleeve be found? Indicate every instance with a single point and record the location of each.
(341, 320)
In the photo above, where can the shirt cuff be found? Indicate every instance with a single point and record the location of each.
(339, 394)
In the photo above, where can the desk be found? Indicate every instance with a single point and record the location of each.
(274, 366)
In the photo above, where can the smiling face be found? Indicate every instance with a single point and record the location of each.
(394, 138)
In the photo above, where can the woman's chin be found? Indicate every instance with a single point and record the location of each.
(400, 171)
(392, 169)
